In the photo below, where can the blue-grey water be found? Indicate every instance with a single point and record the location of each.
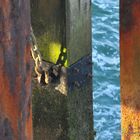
(106, 84)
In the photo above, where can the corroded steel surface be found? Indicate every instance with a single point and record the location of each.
(130, 68)
(15, 71)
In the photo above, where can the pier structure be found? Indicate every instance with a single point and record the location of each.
(130, 68)
(60, 110)
(15, 71)
(63, 31)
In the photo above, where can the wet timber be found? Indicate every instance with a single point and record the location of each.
(130, 68)
(67, 23)
(15, 71)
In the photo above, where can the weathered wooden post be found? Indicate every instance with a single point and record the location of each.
(130, 68)
(15, 71)
(64, 24)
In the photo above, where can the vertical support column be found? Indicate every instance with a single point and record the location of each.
(130, 68)
(15, 71)
(65, 24)
(79, 72)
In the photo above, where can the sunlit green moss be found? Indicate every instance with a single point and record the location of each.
(49, 50)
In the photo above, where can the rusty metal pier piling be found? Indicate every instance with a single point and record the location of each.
(15, 71)
(56, 116)
(130, 68)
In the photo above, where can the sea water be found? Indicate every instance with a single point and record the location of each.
(106, 69)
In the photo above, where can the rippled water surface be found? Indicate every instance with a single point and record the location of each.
(105, 27)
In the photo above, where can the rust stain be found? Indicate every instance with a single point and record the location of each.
(126, 18)
(15, 71)
(130, 68)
